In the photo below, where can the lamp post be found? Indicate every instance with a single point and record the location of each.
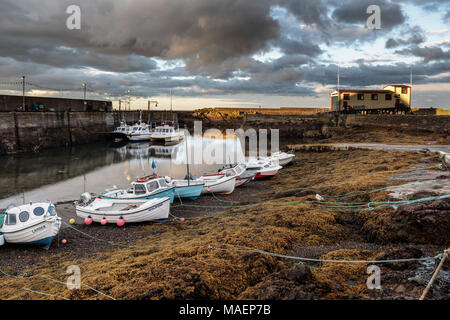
(129, 99)
(23, 92)
(84, 89)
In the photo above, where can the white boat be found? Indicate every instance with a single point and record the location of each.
(240, 171)
(265, 169)
(33, 224)
(218, 185)
(167, 134)
(280, 158)
(130, 211)
(142, 189)
(121, 132)
(140, 132)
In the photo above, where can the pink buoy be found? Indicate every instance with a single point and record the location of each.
(88, 221)
(104, 221)
(120, 222)
(209, 190)
(182, 219)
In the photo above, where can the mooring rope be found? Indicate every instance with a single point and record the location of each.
(357, 193)
(247, 249)
(54, 280)
(45, 294)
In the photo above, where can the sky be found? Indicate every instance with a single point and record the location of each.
(224, 53)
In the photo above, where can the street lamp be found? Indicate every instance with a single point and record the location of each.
(84, 89)
(129, 99)
(23, 92)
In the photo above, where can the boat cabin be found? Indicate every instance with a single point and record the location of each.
(165, 130)
(14, 217)
(149, 186)
(234, 171)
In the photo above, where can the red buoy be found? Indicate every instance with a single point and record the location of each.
(104, 221)
(120, 222)
(88, 221)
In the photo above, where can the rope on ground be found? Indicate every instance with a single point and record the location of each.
(54, 280)
(443, 257)
(93, 289)
(247, 249)
(45, 294)
(124, 245)
(357, 193)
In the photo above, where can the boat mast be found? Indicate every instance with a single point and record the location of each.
(187, 163)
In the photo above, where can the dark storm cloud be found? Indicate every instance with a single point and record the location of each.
(212, 42)
(204, 33)
(416, 36)
(427, 53)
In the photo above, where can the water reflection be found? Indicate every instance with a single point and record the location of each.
(62, 175)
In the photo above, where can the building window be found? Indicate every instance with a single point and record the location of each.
(360, 96)
(346, 96)
(404, 90)
(374, 96)
(388, 96)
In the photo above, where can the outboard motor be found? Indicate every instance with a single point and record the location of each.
(85, 198)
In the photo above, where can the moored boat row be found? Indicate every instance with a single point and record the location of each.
(147, 199)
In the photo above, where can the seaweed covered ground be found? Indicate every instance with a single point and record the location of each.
(207, 255)
(384, 135)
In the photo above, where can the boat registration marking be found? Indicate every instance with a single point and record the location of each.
(39, 229)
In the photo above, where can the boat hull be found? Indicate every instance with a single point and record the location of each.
(40, 234)
(221, 186)
(117, 136)
(189, 192)
(170, 193)
(148, 211)
(139, 138)
(266, 174)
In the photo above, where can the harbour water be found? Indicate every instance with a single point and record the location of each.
(61, 175)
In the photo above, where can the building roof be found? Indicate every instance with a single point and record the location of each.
(364, 90)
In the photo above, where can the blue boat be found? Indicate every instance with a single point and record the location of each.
(187, 191)
(150, 187)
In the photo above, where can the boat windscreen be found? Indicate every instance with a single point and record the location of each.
(152, 186)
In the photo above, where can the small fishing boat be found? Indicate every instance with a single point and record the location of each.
(106, 211)
(242, 174)
(31, 224)
(280, 158)
(167, 134)
(150, 187)
(218, 185)
(187, 189)
(140, 132)
(121, 132)
(264, 169)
